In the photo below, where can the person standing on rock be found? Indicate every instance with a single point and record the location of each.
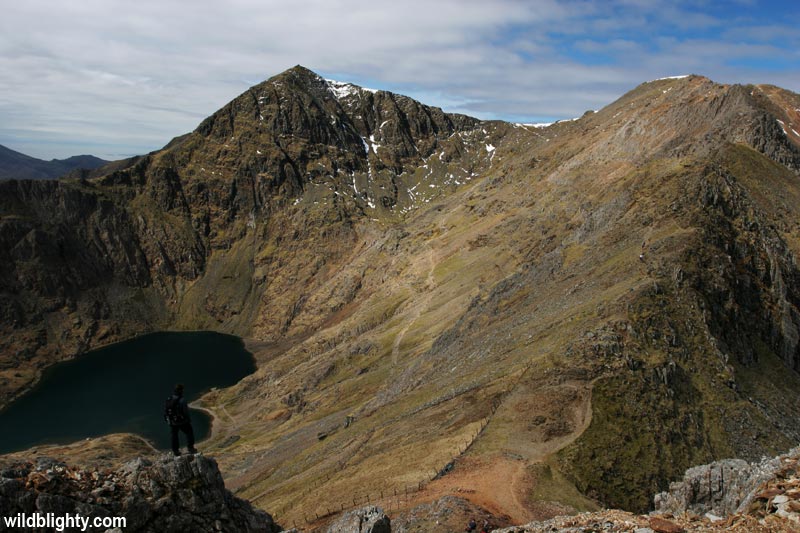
(176, 414)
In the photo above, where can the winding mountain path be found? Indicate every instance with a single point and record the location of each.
(501, 483)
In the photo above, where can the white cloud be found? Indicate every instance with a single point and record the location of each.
(115, 77)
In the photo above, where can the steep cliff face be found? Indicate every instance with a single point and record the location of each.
(79, 270)
(427, 289)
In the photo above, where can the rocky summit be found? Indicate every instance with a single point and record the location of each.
(525, 321)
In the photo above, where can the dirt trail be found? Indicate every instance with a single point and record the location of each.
(492, 484)
(500, 482)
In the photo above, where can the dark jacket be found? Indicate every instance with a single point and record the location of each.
(182, 412)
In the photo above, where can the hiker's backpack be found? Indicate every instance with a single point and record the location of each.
(173, 414)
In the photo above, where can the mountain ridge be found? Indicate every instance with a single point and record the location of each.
(16, 165)
(494, 296)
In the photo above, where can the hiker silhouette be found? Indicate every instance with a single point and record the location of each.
(176, 414)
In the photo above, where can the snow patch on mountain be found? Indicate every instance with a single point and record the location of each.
(682, 76)
(341, 89)
(374, 144)
(537, 124)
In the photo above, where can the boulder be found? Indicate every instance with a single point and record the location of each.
(369, 519)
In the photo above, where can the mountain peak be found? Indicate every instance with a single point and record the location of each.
(297, 74)
(301, 70)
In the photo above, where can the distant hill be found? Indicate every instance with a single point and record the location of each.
(20, 166)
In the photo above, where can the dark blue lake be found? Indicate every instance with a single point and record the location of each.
(122, 388)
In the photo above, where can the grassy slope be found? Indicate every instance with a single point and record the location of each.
(490, 321)
(502, 307)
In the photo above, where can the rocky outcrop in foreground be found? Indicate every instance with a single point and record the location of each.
(729, 495)
(722, 488)
(167, 495)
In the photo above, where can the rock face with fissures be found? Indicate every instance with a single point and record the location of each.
(164, 495)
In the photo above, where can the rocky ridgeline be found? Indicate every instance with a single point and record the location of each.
(167, 495)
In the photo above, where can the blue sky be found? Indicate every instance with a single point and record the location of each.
(117, 78)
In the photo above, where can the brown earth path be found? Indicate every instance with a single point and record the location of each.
(493, 484)
(501, 482)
